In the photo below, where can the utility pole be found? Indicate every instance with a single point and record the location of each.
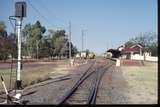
(82, 39)
(70, 40)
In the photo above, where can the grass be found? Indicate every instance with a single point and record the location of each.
(145, 73)
(30, 75)
(142, 82)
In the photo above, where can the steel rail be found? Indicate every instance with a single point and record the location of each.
(94, 91)
(93, 94)
(74, 88)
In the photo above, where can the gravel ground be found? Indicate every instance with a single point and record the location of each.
(112, 88)
(83, 91)
(53, 91)
(119, 85)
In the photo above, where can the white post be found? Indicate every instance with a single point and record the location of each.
(18, 25)
(117, 62)
(140, 52)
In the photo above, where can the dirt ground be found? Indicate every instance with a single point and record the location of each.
(112, 88)
(44, 92)
(33, 72)
(142, 83)
(122, 85)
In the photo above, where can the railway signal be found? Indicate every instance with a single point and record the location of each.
(20, 13)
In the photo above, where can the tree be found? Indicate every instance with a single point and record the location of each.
(74, 50)
(54, 44)
(44, 49)
(11, 45)
(87, 52)
(3, 32)
(60, 42)
(33, 35)
(3, 38)
(34, 43)
(7, 43)
(148, 40)
(129, 43)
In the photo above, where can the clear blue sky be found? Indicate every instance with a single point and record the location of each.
(108, 23)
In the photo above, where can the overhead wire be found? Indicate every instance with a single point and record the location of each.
(41, 15)
(48, 11)
(37, 11)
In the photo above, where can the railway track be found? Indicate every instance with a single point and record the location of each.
(86, 88)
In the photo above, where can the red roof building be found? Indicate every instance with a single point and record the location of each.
(134, 49)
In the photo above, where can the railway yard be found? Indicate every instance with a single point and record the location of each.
(58, 52)
(93, 81)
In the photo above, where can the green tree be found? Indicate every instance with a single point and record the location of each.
(53, 44)
(74, 50)
(129, 43)
(3, 38)
(11, 44)
(7, 43)
(44, 49)
(3, 32)
(148, 40)
(87, 52)
(33, 35)
(60, 42)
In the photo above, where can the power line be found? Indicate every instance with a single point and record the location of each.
(48, 11)
(36, 10)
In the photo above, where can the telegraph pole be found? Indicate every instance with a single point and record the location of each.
(82, 39)
(70, 40)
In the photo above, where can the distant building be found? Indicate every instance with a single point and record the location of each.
(83, 54)
(115, 53)
(77, 55)
(128, 52)
(133, 52)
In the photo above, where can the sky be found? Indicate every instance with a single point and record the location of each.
(106, 23)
